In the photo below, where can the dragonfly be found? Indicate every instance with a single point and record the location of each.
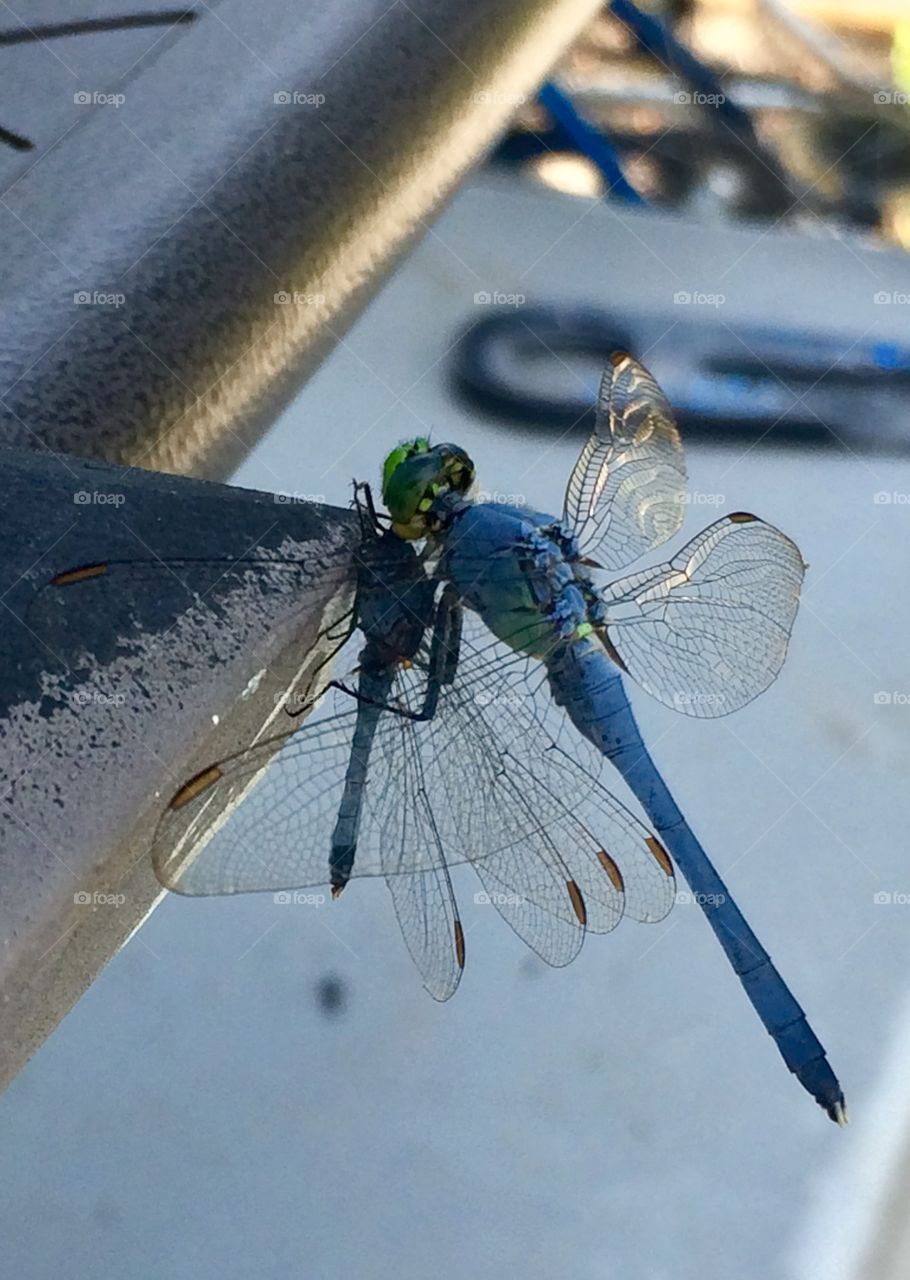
(704, 633)
(426, 754)
(485, 702)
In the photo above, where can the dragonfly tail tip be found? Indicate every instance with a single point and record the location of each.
(838, 1113)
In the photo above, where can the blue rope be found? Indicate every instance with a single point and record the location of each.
(657, 40)
(591, 142)
(707, 90)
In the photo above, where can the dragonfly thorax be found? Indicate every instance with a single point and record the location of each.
(510, 565)
(394, 601)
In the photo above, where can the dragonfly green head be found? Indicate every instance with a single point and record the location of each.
(415, 475)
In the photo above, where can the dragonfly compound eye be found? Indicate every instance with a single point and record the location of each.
(415, 476)
(459, 469)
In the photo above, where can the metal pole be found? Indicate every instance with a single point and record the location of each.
(180, 262)
(117, 689)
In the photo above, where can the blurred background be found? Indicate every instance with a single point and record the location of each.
(252, 1088)
(820, 86)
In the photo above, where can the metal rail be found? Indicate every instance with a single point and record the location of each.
(177, 265)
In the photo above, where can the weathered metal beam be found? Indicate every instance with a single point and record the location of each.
(178, 263)
(116, 689)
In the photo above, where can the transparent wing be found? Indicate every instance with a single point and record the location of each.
(425, 902)
(620, 868)
(532, 886)
(576, 858)
(708, 632)
(139, 597)
(483, 782)
(524, 876)
(627, 489)
(429, 922)
(280, 836)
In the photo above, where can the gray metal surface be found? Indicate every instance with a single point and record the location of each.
(116, 690)
(204, 1112)
(190, 240)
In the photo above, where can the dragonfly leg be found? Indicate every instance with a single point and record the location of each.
(366, 509)
(336, 633)
(445, 646)
(444, 650)
(441, 668)
(370, 519)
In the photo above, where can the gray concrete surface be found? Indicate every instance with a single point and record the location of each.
(200, 1114)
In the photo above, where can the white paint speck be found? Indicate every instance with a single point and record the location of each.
(253, 684)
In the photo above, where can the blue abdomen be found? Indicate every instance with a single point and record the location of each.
(588, 685)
